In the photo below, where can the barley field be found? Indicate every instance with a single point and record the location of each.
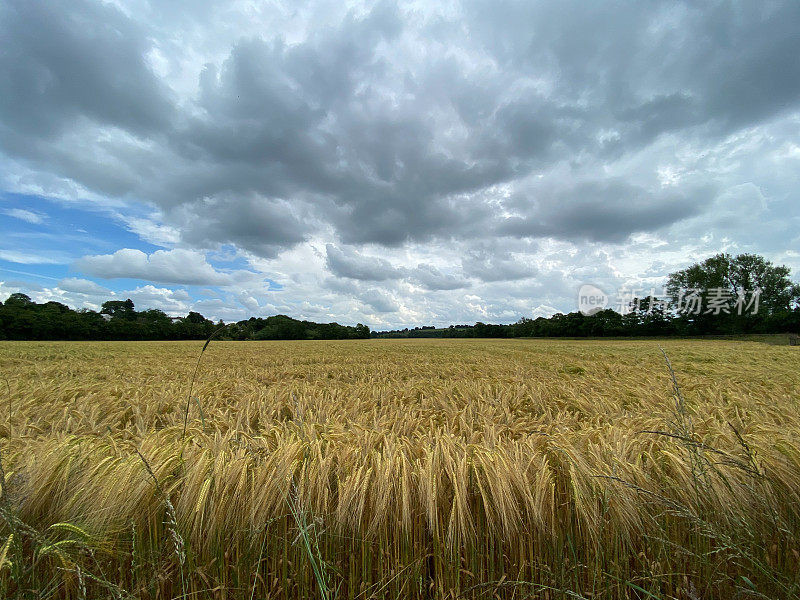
(400, 469)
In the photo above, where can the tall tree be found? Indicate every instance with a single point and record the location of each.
(19, 299)
(119, 309)
(727, 294)
(721, 283)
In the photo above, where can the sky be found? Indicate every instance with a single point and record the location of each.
(394, 164)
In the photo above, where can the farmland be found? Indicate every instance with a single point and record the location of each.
(400, 468)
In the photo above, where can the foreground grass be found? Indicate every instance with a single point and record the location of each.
(400, 468)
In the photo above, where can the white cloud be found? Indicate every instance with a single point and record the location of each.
(175, 302)
(151, 229)
(33, 258)
(177, 266)
(25, 215)
(249, 303)
(83, 286)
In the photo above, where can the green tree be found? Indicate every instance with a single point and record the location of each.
(154, 324)
(119, 309)
(727, 294)
(647, 316)
(18, 299)
(723, 277)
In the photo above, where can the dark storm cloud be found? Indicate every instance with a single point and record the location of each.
(293, 121)
(61, 62)
(392, 125)
(602, 211)
(379, 301)
(346, 262)
(353, 265)
(657, 65)
(493, 264)
(262, 226)
(433, 279)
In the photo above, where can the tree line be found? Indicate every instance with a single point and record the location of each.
(722, 295)
(23, 319)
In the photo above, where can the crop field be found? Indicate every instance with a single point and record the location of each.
(400, 469)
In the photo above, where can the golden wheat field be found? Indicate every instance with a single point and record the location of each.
(400, 469)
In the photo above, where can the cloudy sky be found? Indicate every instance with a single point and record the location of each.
(391, 164)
